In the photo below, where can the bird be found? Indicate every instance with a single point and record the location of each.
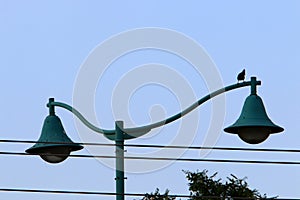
(241, 76)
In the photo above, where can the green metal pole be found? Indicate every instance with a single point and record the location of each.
(253, 85)
(119, 160)
(51, 108)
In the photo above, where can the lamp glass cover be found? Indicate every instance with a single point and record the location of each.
(253, 135)
(55, 155)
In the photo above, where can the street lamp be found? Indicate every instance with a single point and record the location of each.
(54, 146)
(253, 126)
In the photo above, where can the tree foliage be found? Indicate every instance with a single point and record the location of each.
(157, 196)
(201, 186)
(208, 187)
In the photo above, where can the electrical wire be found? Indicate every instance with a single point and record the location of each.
(60, 192)
(165, 146)
(114, 194)
(160, 158)
(125, 194)
(149, 158)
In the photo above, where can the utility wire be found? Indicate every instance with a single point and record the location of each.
(125, 194)
(169, 147)
(162, 158)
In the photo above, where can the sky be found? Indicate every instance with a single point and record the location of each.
(47, 50)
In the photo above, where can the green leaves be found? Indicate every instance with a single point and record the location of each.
(208, 187)
(203, 186)
(157, 196)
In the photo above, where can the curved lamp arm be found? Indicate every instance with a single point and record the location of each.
(52, 104)
(130, 133)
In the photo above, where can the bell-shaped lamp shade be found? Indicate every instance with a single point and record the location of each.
(53, 146)
(253, 126)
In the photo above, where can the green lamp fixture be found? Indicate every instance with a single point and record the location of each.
(53, 146)
(253, 126)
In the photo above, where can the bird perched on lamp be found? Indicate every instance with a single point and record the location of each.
(241, 76)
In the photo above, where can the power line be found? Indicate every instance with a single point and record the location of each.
(163, 158)
(125, 194)
(59, 192)
(166, 146)
(217, 148)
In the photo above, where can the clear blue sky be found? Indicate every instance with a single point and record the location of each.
(43, 45)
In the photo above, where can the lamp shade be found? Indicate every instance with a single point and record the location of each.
(54, 145)
(253, 126)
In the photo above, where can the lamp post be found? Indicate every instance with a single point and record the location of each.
(54, 146)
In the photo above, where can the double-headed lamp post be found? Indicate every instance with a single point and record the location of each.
(54, 146)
